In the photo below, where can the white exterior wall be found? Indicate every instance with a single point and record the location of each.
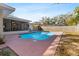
(1, 27)
(5, 10)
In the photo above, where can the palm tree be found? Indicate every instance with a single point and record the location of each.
(71, 21)
(74, 18)
(76, 10)
(76, 14)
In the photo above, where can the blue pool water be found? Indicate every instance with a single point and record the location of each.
(37, 35)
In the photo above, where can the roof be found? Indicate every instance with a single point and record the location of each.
(10, 10)
(4, 6)
(16, 18)
(5, 10)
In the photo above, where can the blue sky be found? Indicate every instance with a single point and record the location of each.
(34, 11)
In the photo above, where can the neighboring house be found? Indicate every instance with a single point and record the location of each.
(10, 23)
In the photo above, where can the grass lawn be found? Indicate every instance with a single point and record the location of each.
(68, 45)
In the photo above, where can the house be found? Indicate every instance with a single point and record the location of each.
(9, 23)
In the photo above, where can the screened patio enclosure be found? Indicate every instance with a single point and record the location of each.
(14, 25)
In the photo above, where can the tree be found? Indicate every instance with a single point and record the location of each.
(45, 20)
(71, 21)
(67, 19)
(76, 10)
(74, 18)
(76, 14)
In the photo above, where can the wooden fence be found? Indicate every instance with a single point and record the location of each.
(60, 28)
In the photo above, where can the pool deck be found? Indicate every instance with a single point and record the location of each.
(30, 47)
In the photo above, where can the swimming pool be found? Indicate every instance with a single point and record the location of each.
(37, 35)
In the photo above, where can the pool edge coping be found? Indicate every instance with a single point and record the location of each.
(51, 50)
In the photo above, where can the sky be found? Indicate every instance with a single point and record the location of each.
(35, 11)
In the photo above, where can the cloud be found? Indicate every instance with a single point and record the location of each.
(34, 11)
(35, 17)
(32, 7)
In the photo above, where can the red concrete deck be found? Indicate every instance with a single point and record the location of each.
(30, 47)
